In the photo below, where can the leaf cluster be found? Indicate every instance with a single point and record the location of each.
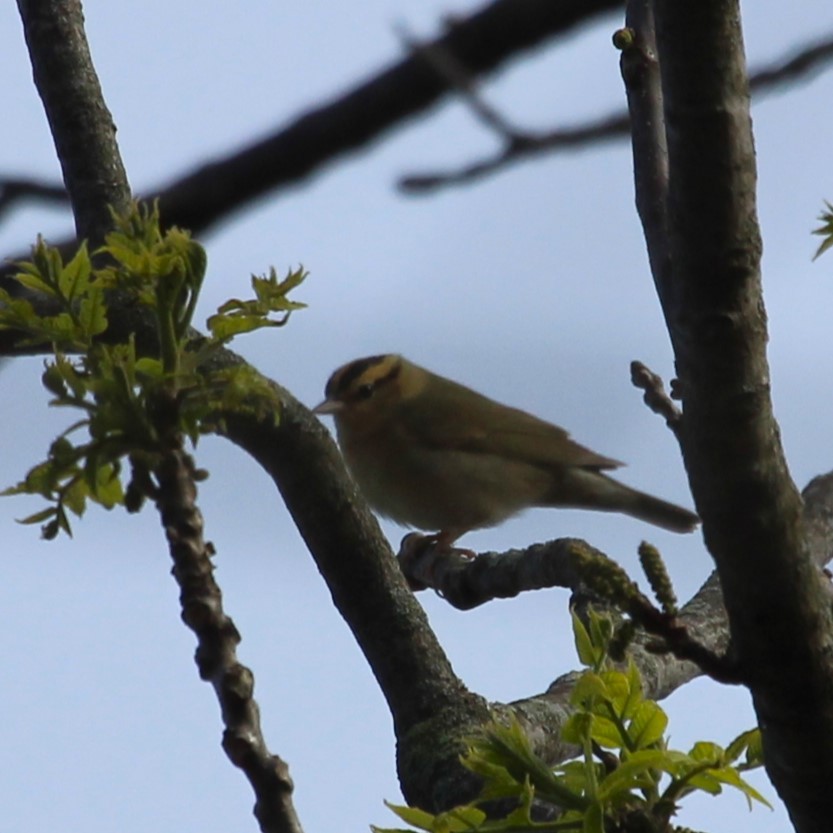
(625, 778)
(132, 403)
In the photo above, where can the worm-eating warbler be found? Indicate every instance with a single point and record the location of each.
(435, 455)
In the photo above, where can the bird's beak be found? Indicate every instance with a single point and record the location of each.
(328, 406)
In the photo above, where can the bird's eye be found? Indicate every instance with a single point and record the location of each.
(365, 391)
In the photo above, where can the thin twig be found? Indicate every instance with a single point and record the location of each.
(462, 81)
(655, 396)
(217, 639)
(18, 189)
(521, 145)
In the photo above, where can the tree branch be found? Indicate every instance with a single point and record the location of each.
(19, 189)
(708, 281)
(431, 708)
(524, 145)
(217, 640)
(81, 125)
(480, 43)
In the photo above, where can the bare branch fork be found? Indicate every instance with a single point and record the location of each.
(520, 145)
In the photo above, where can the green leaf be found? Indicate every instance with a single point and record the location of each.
(744, 742)
(705, 781)
(75, 496)
(76, 382)
(601, 629)
(589, 687)
(605, 732)
(457, 820)
(707, 752)
(50, 531)
(593, 819)
(74, 278)
(587, 653)
(508, 747)
(53, 380)
(647, 725)
(15, 313)
(412, 815)
(109, 491)
(730, 776)
(226, 327)
(636, 773)
(32, 279)
(236, 316)
(618, 690)
(37, 517)
(634, 698)
(755, 752)
(39, 480)
(577, 727)
(92, 313)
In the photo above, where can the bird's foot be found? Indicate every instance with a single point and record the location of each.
(419, 554)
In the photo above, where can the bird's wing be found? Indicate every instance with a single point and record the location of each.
(467, 421)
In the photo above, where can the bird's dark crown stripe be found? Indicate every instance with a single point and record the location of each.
(343, 380)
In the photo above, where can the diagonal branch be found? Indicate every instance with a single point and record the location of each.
(481, 43)
(431, 708)
(14, 190)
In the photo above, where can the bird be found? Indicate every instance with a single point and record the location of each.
(434, 455)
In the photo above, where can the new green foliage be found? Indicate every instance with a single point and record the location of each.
(128, 398)
(623, 768)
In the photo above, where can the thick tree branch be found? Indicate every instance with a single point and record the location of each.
(521, 145)
(480, 43)
(709, 285)
(81, 124)
(704, 615)
(432, 710)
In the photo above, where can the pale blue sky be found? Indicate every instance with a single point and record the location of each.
(531, 287)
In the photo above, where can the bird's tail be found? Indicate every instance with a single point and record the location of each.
(659, 512)
(590, 489)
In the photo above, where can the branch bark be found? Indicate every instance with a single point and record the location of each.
(703, 236)
(81, 125)
(95, 180)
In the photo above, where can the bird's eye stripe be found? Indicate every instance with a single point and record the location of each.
(363, 373)
(344, 380)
